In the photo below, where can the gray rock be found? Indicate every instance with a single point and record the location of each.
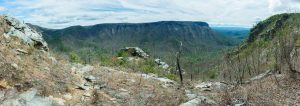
(83, 86)
(99, 85)
(87, 94)
(40, 101)
(162, 64)
(136, 51)
(54, 61)
(191, 96)
(239, 102)
(27, 98)
(208, 86)
(200, 100)
(90, 78)
(29, 95)
(123, 90)
(194, 102)
(206, 100)
(25, 33)
(15, 65)
(21, 51)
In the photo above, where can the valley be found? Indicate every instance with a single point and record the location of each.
(202, 45)
(163, 63)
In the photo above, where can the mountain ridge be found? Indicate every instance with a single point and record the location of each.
(161, 39)
(155, 22)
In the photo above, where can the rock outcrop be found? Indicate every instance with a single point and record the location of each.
(29, 98)
(13, 27)
(162, 64)
(131, 52)
(135, 51)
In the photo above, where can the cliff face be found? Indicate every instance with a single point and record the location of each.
(159, 39)
(267, 29)
(115, 36)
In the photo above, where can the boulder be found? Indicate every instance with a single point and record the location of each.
(83, 86)
(208, 86)
(193, 102)
(27, 98)
(59, 101)
(191, 96)
(162, 64)
(135, 51)
(29, 95)
(238, 102)
(25, 33)
(90, 78)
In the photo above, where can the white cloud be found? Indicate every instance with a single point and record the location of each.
(2, 8)
(63, 13)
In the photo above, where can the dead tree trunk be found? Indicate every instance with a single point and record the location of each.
(178, 63)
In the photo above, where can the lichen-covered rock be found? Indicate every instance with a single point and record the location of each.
(13, 27)
(135, 51)
(162, 64)
(28, 98)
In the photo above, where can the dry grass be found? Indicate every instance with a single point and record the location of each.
(267, 92)
(140, 91)
(37, 70)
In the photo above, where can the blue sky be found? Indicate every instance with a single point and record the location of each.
(64, 13)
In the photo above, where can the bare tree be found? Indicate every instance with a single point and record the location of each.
(178, 63)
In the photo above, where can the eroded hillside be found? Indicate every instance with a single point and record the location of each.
(201, 45)
(31, 76)
(265, 68)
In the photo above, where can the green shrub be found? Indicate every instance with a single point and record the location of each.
(212, 75)
(171, 76)
(148, 69)
(75, 58)
(122, 53)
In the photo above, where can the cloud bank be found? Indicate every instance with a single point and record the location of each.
(64, 13)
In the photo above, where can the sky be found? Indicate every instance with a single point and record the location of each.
(58, 14)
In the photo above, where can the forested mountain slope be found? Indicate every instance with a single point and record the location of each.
(265, 69)
(201, 44)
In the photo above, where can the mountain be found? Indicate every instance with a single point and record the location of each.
(163, 36)
(30, 75)
(271, 43)
(263, 70)
(267, 63)
(239, 33)
(201, 44)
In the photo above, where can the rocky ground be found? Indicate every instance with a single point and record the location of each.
(32, 76)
